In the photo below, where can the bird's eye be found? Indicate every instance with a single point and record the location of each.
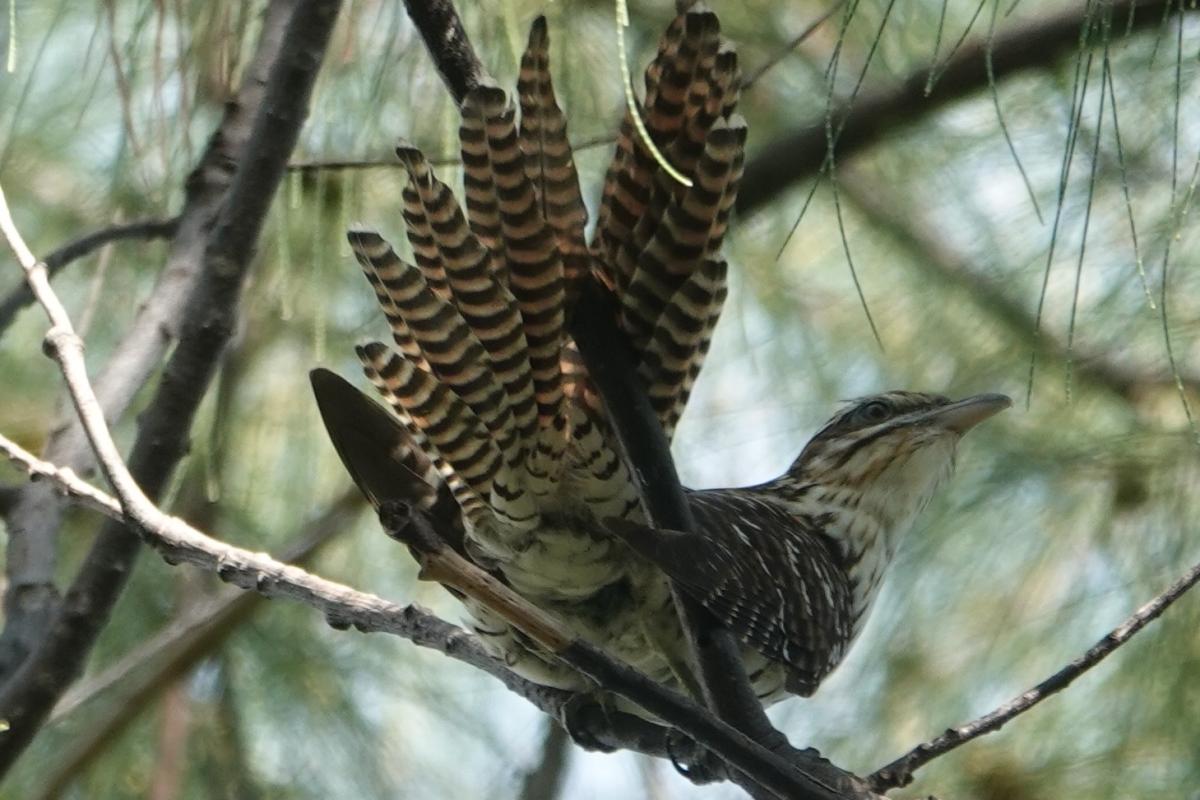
(875, 411)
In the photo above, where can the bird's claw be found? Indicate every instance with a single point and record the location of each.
(581, 717)
(693, 761)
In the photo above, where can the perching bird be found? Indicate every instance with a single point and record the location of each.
(499, 437)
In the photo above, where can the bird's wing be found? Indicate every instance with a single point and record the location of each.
(768, 576)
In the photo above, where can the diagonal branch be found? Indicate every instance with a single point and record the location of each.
(900, 771)
(303, 30)
(77, 249)
(875, 115)
(35, 516)
(344, 607)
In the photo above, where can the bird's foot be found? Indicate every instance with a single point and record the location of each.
(694, 761)
(585, 718)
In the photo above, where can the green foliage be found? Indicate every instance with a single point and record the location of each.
(1067, 512)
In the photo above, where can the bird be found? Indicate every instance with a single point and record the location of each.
(494, 430)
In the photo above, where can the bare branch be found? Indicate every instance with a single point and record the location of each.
(303, 28)
(344, 607)
(84, 245)
(932, 254)
(875, 115)
(900, 771)
(447, 42)
(31, 598)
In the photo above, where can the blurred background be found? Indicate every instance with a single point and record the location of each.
(1035, 237)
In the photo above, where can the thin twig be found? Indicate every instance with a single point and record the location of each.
(72, 251)
(68, 483)
(795, 42)
(392, 163)
(1034, 45)
(900, 772)
(65, 347)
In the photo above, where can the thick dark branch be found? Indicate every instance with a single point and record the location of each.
(447, 42)
(900, 771)
(21, 296)
(209, 319)
(440, 563)
(875, 115)
(933, 255)
(31, 597)
(611, 369)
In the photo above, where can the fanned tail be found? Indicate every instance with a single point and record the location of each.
(484, 377)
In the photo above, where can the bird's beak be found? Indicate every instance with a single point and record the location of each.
(963, 415)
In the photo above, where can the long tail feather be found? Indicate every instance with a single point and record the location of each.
(535, 265)
(549, 163)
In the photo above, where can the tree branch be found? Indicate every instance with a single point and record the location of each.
(27, 698)
(446, 41)
(34, 520)
(900, 771)
(874, 115)
(344, 607)
(150, 229)
(931, 254)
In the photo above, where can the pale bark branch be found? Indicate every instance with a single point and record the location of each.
(35, 516)
(298, 32)
(900, 772)
(343, 607)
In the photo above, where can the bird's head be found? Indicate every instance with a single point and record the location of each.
(888, 453)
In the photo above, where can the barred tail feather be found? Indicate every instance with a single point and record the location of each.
(478, 292)
(447, 342)
(681, 241)
(549, 163)
(455, 432)
(535, 265)
(680, 341)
